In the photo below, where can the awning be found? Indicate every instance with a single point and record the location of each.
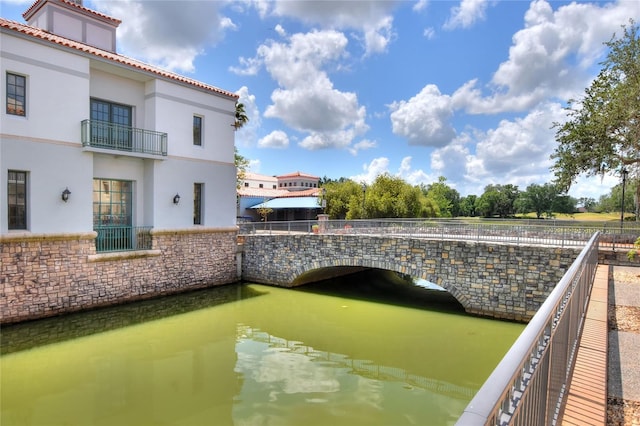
(289, 203)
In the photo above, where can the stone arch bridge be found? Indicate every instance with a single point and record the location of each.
(493, 279)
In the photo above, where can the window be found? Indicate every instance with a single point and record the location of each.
(16, 94)
(112, 202)
(17, 199)
(112, 215)
(261, 185)
(197, 130)
(197, 203)
(110, 125)
(246, 184)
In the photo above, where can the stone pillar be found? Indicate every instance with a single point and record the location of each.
(322, 222)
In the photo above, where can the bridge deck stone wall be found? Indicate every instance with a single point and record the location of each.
(488, 279)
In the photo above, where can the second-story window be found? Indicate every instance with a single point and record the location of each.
(110, 124)
(197, 130)
(16, 94)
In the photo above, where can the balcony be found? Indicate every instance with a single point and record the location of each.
(122, 238)
(102, 136)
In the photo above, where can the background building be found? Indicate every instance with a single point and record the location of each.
(297, 197)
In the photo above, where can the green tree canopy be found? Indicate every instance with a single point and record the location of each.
(602, 133)
(446, 198)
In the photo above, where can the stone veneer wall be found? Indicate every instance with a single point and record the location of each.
(45, 275)
(489, 279)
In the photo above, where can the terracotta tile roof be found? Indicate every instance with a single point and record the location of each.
(277, 193)
(262, 192)
(39, 3)
(298, 174)
(6, 24)
(312, 192)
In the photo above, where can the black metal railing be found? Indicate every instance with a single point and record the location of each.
(122, 238)
(105, 135)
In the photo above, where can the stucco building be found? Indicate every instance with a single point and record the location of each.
(293, 196)
(114, 175)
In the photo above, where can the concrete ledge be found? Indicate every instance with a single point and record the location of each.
(194, 230)
(14, 237)
(122, 255)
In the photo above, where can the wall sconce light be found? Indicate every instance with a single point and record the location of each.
(176, 199)
(65, 195)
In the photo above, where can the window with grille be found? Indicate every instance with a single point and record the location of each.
(16, 94)
(17, 199)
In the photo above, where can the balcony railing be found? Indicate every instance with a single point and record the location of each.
(122, 238)
(105, 135)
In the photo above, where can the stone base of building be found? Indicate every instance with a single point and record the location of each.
(46, 275)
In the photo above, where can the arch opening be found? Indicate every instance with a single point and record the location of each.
(379, 285)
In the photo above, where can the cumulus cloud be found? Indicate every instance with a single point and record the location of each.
(170, 34)
(306, 99)
(380, 165)
(516, 151)
(466, 14)
(424, 119)
(372, 19)
(362, 145)
(275, 139)
(247, 134)
(549, 57)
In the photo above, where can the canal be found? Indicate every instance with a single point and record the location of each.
(367, 349)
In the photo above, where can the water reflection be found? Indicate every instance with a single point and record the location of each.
(346, 352)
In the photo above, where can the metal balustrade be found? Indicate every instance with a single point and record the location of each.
(550, 233)
(528, 386)
(105, 135)
(122, 238)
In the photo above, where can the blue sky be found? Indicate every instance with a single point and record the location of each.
(467, 89)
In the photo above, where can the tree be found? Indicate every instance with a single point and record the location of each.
(468, 206)
(241, 116)
(241, 167)
(498, 200)
(539, 199)
(447, 198)
(602, 134)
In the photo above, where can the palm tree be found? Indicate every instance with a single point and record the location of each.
(241, 116)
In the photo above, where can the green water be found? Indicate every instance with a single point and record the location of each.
(251, 355)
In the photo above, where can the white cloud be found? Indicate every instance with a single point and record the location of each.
(372, 18)
(306, 99)
(275, 139)
(549, 58)
(247, 135)
(429, 33)
(362, 145)
(420, 5)
(466, 14)
(254, 166)
(170, 34)
(376, 167)
(424, 119)
(516, 152)
(380, 165)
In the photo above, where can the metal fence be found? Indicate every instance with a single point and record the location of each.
(102, 134)
(528, 386)
(123, 238)
(525, 232)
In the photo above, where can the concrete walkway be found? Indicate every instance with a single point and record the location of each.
(624, 343)
(608, 360)
(586, 403)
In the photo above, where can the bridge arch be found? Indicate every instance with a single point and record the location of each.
(307, 272)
